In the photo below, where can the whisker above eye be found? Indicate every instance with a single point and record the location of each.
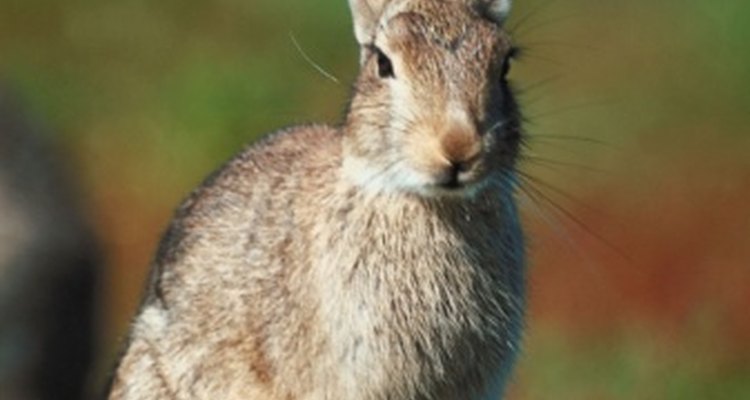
(546, 23)
(310, 61)
(523, 20)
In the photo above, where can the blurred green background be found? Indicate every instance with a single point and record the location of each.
(637, 202)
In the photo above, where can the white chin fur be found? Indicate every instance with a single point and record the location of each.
(399, 179)
(370, 178)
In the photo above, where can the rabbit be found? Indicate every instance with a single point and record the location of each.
(49, 265)
(379, 259)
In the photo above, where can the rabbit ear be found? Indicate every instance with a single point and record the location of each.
(497, 10)
(366, 14)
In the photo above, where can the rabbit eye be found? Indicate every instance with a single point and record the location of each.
(507, 62)
(505, 69)
(385, 67)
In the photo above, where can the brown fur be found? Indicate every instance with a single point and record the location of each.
(329, 263)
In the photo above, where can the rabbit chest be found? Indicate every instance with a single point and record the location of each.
(418, 297)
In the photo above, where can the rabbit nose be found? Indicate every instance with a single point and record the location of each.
(461, 147)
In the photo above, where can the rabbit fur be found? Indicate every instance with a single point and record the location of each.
(378, 259)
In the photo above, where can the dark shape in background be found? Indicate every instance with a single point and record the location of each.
(48, 268)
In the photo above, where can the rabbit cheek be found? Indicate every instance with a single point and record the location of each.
(422, 152)
(506, 146)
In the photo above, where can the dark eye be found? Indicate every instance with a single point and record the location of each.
(505, 69)
(507, 61)
(385, 67)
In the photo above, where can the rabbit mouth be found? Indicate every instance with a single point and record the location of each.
(455, 177)
(457, 180)
(399, 177)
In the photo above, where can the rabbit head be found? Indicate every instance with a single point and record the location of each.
(432, 111)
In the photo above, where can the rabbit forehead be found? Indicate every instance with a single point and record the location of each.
(422, 30)
(441, 51)
(415, 31)
(441, 20)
